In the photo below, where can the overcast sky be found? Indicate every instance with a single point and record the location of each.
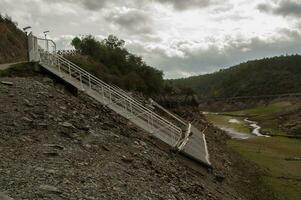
(180, 37)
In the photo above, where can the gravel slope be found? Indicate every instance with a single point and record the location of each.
(54, 145)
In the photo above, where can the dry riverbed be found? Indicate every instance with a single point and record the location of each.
(279, 157)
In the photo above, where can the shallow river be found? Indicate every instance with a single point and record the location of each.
(233, 133)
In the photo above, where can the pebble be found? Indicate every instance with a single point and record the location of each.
(67, 125)
(55, 146)
(7, 83)
(27, 103)
(27, 119)
(50, 189)
(126, 159)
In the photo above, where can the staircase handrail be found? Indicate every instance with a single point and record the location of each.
(117, 92)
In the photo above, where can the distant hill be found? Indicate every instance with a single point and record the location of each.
(267, 76)
(12, 41)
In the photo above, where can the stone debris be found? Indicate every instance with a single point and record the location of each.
(49, 189)
(67, 125)
(70, 147)
(7, 83)
(5, 197)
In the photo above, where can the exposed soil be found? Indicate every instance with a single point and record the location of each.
(54, 145)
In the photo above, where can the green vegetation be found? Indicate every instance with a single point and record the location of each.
(277, 75)
(278, 157)
(269, 109)
(221, 120)
(273, 117)
(110, 60)
(12, 42)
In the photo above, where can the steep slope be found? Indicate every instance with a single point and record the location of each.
(276, 75)
(12, 41)
(54, 145)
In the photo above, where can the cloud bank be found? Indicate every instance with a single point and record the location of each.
(182, 38)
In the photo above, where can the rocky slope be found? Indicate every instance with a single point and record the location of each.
(12, 41)
(54, 145)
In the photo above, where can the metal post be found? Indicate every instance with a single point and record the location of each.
(152, 122)
(46, 41)
(131, 106)
(27, 41)
(90, 86)
(103, 94)
(60, 71)
(80, 79)
(69, 70)
(110, 95)
(126, 110)
(148, 122)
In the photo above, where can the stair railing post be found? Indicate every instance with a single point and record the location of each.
(131, 107)
(148, 121)
(69, 67)
(90, 86)
(126, 109)
(110, 94)
(60, 71)
(80, 79)
(152, 122)
(103, 94)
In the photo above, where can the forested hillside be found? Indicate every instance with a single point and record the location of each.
(12, 42)
(267, 76)
(112, 62)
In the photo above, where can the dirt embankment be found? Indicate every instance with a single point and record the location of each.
(12, 42)
(54, 145)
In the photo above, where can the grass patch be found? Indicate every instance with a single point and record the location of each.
(223, 121)
(273, 155)
(268, 116)
(268, 110)
(282, 176)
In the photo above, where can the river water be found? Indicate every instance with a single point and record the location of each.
(242, 135)
(236, 134)
(256, 128)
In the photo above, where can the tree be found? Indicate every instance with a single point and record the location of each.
(76, 43)
(122, 65)
(113, 42)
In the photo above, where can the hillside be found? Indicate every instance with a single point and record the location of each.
(109, 60)
(12, 41)
(267, 76)
(54, 145)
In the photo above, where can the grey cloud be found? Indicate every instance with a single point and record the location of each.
(134, 21)
(289, 8)
(99, 4)
(208, 60)
(185, 4)
(283, 7)
(264, 7)
(93, 5)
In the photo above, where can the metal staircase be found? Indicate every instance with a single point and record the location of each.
(44, 52)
